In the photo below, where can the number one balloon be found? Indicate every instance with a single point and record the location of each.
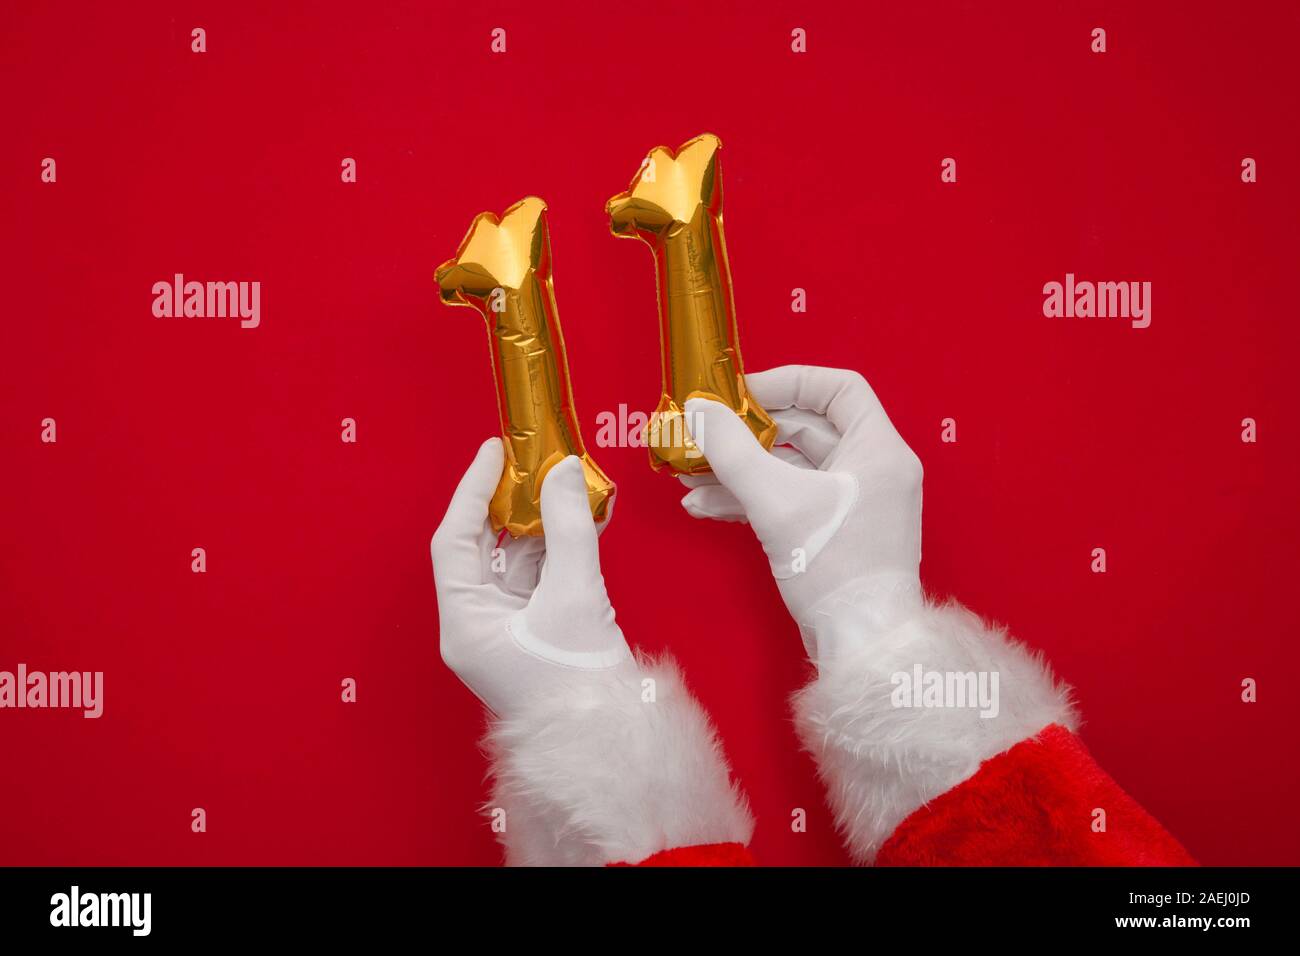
(675, 205)
(503, 269)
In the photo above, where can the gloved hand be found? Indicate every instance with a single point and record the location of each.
(596, 756)
(838, 511)
(534, 615)
(844, 505)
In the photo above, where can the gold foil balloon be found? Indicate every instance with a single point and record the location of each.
(675, 205)
(503, 269)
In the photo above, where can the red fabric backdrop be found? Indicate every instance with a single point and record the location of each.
(222, 689)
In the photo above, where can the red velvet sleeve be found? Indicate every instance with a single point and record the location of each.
(1034, 805)
(711, 854)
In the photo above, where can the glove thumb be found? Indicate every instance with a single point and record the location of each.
(569, 620)
(572, 555)
(758, 480)
(794, 511)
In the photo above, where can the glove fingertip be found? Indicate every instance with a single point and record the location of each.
(565, 475)
(702, 406)
(564, 494)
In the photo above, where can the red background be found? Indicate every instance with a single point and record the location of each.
(222, 689)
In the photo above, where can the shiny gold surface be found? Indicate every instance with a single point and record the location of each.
(675, 205)
(503, 269)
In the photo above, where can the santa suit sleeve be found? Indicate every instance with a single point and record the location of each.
(631, 772)
(914, 780)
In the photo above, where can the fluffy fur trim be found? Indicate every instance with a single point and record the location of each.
(597, 774)
(883, 755)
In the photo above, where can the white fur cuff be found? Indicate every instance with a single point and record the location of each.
(889, 735)
(612, 771)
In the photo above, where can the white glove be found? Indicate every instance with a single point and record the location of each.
(543, 619)
(848, 493)
(838, 512)
(596, 757)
